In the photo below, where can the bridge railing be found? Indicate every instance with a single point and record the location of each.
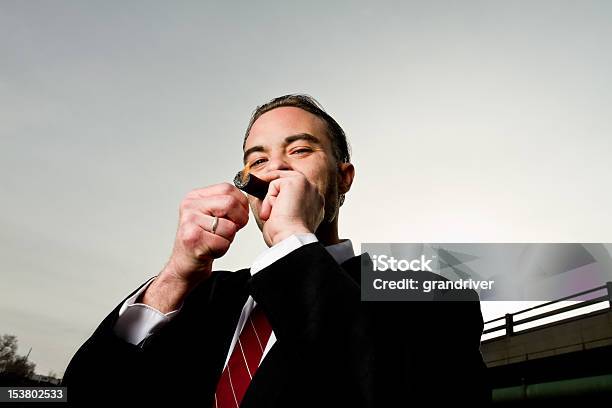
(509, 322)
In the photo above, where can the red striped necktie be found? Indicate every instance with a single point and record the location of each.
(244, 360)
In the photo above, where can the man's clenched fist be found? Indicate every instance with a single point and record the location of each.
(293, 205)
(195, 245)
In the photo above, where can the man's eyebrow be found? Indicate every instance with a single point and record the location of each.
(288, 140)
(302, 136)
(250, 150)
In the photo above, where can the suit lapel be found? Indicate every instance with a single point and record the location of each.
(353, 266)
(278, 366)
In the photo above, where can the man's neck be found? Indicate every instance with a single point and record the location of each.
(327, 233)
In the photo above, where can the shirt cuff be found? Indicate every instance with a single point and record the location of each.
(138, 321)
(280, 250)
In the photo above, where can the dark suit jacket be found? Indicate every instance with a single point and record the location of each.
(331, 349)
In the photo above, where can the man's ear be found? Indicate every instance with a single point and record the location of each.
(346, 174)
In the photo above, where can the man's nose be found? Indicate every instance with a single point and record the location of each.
(278, 163)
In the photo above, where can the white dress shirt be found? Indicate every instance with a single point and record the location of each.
(138, 321)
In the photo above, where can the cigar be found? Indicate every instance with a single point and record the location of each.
(251, 184)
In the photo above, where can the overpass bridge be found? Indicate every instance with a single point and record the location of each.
(552, 352)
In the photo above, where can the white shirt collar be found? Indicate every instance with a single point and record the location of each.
(342, 251)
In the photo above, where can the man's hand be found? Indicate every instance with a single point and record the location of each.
(293, 205)
(195, 246)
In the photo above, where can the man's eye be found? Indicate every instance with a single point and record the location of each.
(257, 162)
(303, 150)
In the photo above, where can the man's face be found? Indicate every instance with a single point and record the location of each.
(289, 138)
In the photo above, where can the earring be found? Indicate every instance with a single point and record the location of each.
(341, 200)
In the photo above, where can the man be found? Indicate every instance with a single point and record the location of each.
(290, 331)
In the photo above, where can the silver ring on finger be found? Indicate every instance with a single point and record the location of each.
(215, 223)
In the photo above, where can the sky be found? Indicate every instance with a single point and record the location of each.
(472, 121)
